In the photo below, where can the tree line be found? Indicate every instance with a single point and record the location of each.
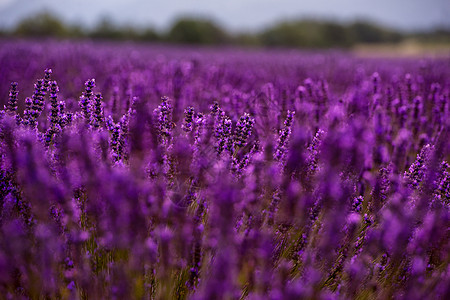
(294, 33)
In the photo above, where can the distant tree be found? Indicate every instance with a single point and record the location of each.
(149, 35)
(438, 35)
(197, 31)
(106, 29)
(336, 35)
(365, 32)
(295, 34)
(41, 25)
(324, 34)
(75, 31)
(246, 39)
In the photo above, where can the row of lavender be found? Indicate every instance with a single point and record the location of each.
(222, 174)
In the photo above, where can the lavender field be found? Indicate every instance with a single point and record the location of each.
(130, 171)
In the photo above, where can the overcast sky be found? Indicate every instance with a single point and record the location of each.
(235, 15)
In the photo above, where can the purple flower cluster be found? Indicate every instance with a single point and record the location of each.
(222, 174)
(12, 103)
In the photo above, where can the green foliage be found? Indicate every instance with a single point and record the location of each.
(336, 35)
(41, 25)
(196, 31)
(246, 39)
(364, 32)
(149, 35)
(319, 34)
(294, 34)
(107, 30)
(439, 35)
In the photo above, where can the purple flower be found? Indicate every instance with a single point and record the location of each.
(243, 131)
(284, 136)
(97, 113)
(416, 172)
(188, 119)
(12, 103)
(86, 99)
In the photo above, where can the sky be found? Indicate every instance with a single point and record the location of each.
(234, 15)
